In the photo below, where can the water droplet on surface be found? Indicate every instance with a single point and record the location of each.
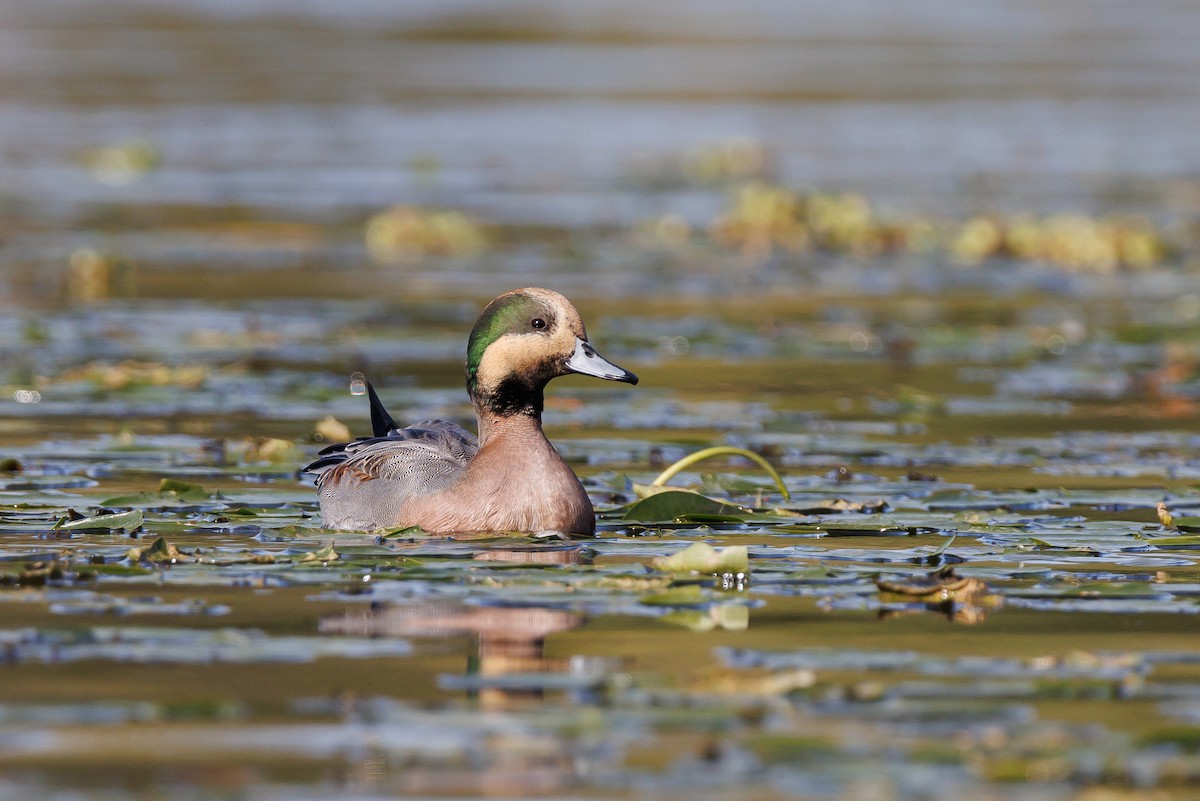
(358, 384)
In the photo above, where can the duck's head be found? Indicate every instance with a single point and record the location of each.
(523, 339)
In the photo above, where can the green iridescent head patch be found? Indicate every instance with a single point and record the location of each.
(507, 314)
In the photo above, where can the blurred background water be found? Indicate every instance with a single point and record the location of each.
(141, 128)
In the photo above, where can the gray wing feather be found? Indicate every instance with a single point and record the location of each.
(368, 480)
(419, 466)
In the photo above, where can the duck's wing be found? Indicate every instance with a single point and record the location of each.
(423, 458)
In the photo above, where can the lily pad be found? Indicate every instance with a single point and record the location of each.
(1182, 541)
(170, 490)
(673, 505)
(700, 557)
(125, 521)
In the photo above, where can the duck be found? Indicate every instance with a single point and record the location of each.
(438, 476)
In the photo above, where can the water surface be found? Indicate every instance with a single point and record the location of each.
(187, 289)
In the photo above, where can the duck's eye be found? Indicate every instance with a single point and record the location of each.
(538, 324)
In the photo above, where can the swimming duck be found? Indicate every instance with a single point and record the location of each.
(437, 475)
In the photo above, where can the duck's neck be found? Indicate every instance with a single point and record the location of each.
(493, 426)
(515, 396)
(512, 407)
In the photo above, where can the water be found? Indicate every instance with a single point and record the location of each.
(200, 631)
(536, 115)
(188, 294)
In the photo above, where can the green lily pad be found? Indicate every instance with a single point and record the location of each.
(715, 519)
(170, 490)
(808, 529)
(406, 531)
(125, 521)
(242, 511)
(1181, 541)
(184, 489)
(674, 504)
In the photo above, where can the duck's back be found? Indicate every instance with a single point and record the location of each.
(365, 484)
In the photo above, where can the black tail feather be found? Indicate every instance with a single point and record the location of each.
(381, 421)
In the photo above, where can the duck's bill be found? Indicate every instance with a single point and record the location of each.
(586, 361)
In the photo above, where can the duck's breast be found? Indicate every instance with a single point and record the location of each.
(508, 486)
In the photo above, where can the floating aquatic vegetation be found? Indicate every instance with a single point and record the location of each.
(721, 450)
(158, 551)
(1072, 241)
(959, 598)
(530, 613)
(266, 449)
(683, 506)
(406, 233)
(104, 521)
(170, 491)
(737, 158)
(124, 163)
(700, 557)
(323, 555)
(178, 506)
(1050, 405)
(128, 374)
(330, 429)
(184, 645)
(93, 277)
(763, 219)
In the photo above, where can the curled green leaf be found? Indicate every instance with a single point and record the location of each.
(721, 450)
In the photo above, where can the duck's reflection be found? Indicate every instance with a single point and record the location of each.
(504, 642)
(535, 555)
